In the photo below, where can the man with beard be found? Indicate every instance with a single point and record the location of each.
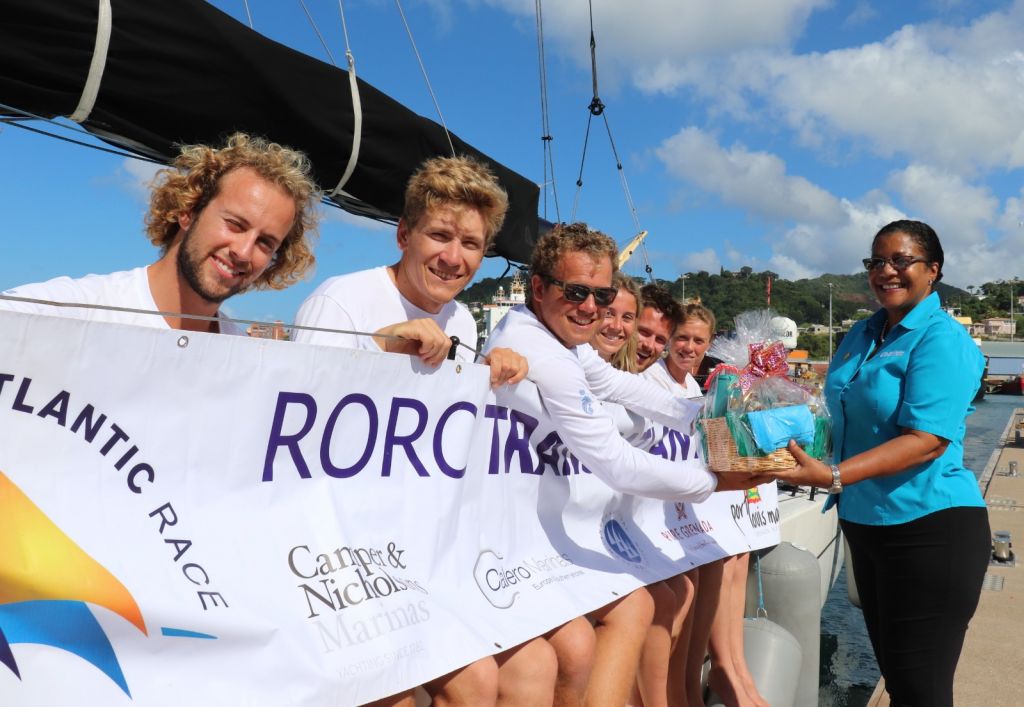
(658, 319)
(226, 219)
(571, 277)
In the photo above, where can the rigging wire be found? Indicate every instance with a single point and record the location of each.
(316, 30)
(207, 318)
(597, 108)
(120, 153)
(248, 13)
(546, 137)
(426, 78)
(344, 32)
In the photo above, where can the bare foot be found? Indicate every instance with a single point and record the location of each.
(728, 687)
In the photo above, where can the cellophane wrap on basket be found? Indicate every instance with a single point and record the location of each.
(753, 408)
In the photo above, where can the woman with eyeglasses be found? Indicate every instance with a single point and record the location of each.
(899, 390)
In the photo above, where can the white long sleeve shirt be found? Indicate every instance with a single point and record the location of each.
(572, 381)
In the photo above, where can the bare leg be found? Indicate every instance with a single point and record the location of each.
(526, 675)
(620, 630)
(475, 684)
(402, 699)
(723, 678)
(705, 606)
(686, 587)
(739, 600)
(574, 646)
(652, 673)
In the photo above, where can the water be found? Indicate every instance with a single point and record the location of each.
(848, 670)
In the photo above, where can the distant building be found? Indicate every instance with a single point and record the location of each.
(276, 331)
(999, 326)
(502, 303)
(817, 329)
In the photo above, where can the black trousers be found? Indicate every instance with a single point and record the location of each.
(919, 584)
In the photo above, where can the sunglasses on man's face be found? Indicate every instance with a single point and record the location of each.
(573, 292)
(899, 263)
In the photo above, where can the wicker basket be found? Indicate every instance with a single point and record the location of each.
(723, 455)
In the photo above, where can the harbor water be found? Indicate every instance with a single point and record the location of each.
(848, 669)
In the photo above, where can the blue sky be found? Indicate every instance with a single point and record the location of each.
(777, 134)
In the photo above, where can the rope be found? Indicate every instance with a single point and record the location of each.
(316, 29)
(597, 108)
(91, 89)
(423, 70)
(762, 613)
(248, 13)
(206, 318)
(583, 161)
(357, 108)
(546, 137)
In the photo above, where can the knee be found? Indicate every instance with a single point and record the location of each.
(474, 684)
(637, 608)
(664, 599)
(574, 644)
(527, 673)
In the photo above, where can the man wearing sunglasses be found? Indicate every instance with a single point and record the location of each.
(570, 283)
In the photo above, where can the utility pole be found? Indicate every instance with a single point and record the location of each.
(1012, 321)
(830, 286)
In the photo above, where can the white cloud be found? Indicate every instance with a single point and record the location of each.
(706, 260)
(135, 176)
(754, 181)
(810, 248)
(643, 33)
(862, 13)
(943, 94)
(960, 212)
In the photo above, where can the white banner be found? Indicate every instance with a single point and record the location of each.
(251, 522)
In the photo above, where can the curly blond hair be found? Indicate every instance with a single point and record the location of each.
(571, 238)
(461, 182)
(193, 180)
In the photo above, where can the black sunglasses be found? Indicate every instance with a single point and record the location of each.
(603, 296)
(899, 263)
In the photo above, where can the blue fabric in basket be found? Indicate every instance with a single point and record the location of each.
(774, 428)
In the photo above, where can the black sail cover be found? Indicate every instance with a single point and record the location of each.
(183, 72)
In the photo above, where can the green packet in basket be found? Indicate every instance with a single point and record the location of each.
(816, 441)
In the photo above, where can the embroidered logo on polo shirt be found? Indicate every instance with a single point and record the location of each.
(886, 354)
(586, 402)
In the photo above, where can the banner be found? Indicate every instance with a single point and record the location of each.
(241, 521)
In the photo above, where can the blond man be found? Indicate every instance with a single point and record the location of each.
(454, 207)
(226, 219)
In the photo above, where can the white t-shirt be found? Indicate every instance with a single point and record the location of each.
(127, 288)
(572, 381)
(367, 301)
(659, 373)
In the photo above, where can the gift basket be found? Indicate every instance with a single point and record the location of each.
(752, 408)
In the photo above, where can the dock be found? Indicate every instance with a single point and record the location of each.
(985, 673)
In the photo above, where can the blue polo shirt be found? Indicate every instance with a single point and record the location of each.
(923, 377)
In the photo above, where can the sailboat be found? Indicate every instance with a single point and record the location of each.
(149, 76)
(115, 59)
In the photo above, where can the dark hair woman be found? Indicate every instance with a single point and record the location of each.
(899, 390)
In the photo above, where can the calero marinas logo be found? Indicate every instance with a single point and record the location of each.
(46, 584)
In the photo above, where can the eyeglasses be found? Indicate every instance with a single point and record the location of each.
(899, 263)
(603, 296)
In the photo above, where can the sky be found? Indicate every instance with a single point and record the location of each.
(779, 135)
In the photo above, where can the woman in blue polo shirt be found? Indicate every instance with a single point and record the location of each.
(899, 390)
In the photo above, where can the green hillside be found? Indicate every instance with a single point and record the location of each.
(728, 293)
